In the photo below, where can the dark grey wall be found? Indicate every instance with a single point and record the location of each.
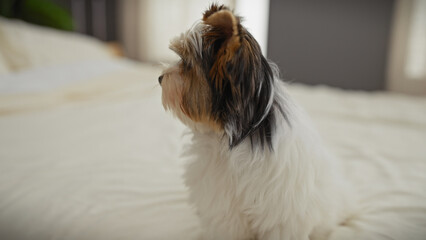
(341, 43)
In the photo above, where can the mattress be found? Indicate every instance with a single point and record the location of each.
(87, 152)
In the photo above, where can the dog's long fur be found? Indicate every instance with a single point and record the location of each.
(257, 169)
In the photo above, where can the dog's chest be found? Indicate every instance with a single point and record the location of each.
(219, 182)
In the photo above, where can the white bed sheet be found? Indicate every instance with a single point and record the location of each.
(99, 159)
(51, 77)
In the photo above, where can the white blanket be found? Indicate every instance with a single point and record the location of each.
(98, 158)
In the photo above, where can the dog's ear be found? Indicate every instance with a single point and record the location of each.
(241, 79)
(223, 22)
(223, 36)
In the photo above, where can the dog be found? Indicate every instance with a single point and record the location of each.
(256, 168)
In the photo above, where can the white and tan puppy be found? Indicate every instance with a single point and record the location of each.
(257, 169)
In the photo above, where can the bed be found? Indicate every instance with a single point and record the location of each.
(87, 151)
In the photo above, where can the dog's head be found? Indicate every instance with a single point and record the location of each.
(222, 82)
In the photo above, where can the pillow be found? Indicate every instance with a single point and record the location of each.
(28, 46)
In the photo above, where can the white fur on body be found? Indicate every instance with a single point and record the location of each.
(293, 192)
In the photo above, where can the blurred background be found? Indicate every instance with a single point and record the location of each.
(351, 44)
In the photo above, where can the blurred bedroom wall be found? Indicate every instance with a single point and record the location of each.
(351, 44)
(146, 27)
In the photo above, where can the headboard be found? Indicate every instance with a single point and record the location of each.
(341, 43)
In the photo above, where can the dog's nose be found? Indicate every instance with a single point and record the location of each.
(160, 79)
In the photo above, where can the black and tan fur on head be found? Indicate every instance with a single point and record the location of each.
(223, 82)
